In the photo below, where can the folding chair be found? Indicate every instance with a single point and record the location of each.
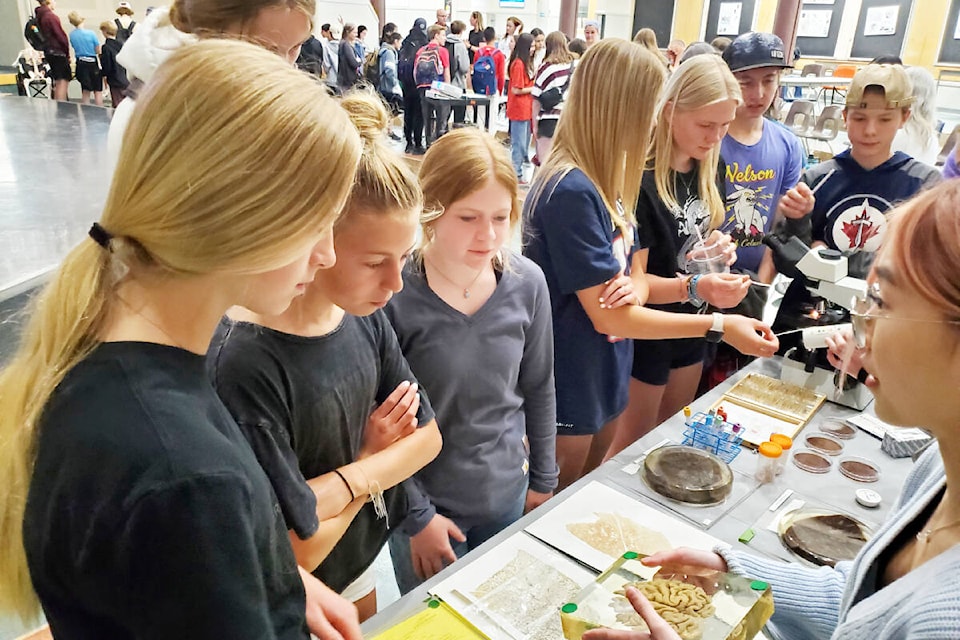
(827, 127)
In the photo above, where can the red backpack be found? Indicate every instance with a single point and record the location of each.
(427, 67)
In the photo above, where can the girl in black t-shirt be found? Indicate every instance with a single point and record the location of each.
(323, 392)
(132, 506)
(681, 204)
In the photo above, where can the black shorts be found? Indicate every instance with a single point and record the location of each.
(547, 127)
(59, 67)
(654, 359)
(89, 76)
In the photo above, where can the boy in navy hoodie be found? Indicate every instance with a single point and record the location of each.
(857, 187)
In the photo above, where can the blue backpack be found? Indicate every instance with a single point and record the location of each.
(427, 68)
(485, 74)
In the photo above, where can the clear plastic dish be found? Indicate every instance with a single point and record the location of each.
(811, 461)
(822, 443)
(688, 475)
(823, 537)
(860, 469)
(838, 429)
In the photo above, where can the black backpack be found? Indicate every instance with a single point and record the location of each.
(35, 37)
(405, 61)
(454, 65)
(124, 32)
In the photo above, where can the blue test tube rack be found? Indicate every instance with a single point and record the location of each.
(709, 432)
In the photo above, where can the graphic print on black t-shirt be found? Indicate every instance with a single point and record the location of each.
(748, 205)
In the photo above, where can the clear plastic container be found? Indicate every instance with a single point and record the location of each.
(767, 459)
(786, 443)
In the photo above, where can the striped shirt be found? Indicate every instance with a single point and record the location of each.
(548, 77)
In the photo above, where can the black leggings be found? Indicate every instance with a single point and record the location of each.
(412, 116)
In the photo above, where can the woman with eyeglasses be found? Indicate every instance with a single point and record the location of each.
(903, 582)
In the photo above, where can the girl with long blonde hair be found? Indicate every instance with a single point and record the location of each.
(581, 230)
(473, 321)
(681, 204)
(132, 505)
(322, 391)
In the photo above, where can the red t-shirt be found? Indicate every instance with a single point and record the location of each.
(519, 107)
(444, 58)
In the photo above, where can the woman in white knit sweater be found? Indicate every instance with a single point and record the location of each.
(903, 583)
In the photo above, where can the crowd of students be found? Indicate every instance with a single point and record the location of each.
(231, 396)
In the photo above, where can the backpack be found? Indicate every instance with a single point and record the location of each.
(405, 60)
(485, 73)
(33, 35)
(371, 68)
(123, 32)
(427, 68)
(451, 51)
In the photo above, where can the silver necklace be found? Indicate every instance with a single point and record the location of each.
(466, 289)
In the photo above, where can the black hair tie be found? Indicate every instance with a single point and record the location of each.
(100, 235)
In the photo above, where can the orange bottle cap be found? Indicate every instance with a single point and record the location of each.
(771, 450)
(785, 442)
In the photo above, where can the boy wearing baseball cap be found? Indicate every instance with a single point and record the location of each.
(763, 157)
(858, 186)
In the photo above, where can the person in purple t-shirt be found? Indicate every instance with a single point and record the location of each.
(763, 158)
(950, 169)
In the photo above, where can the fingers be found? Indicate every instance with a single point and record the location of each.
(615, 634)
(659, 628)
(403, 404)
(346, 621)
(454, 532)
(321, 627)
(388, 405)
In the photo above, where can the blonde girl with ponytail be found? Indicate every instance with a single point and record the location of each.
(680, 204)
(132, 506)
(322, 391)
(581, 230)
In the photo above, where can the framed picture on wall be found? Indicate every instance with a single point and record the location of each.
(817, 1)
(728, 22)
(814, 23)
(881, 21)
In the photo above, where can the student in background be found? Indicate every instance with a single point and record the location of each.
(350, 63)
(577, 47)
(86, 47)
(56, 51)
(857, 187)
(918, 137)
(390, 88)
(331, 57)
(553, 78)
(113, 73)
(581, 231)
(520, 103)
(680, 203)
(459, 63)
(359, 45)
(591, 32)
(475, 37)
(432, 64)
(489, 74)
(412, 108)
(322, 391)
(133, 507)
(473, 320)
(539, 47)
(647, 38)
(124, 22)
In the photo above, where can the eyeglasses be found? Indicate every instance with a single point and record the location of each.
(863, 313)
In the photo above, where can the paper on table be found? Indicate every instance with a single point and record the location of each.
(438, 622)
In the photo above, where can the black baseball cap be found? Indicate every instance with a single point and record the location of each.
(754, 50)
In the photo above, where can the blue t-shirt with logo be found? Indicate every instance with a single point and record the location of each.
(84, 43)
(569, 234)
(756, 176)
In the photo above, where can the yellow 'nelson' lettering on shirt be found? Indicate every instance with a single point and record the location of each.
(735, 175)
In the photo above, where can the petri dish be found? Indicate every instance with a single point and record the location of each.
(860, 469)
(823, 537)
(812, 462)
(838, 429)
(688, 475)
(822, 443)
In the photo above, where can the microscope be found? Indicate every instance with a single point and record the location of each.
(823, 272)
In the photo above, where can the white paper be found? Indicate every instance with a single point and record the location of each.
(818, 1)
(757, 426)
(881, 21)
(956, 31)
(814, 23)
(728, 21)
(589, 504)
(459, 590)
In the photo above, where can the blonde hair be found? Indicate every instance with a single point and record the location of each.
(922, 123)
(473, 157)
(647, 38)
(75, 18)
(384, 182)
(557, 52)
(605, 128)
(478, 17)
(108, 28)
(699, 82)
(280, 170)
(211, 17)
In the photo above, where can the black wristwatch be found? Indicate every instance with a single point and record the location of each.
(715, 333)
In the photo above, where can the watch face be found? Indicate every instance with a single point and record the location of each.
(714, 336)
